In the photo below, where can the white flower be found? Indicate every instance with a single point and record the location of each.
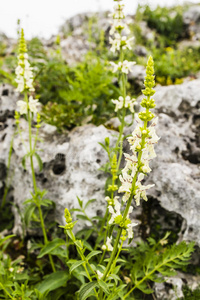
(141, 190)
(24, 74)
(125, 67)
(11, 269)
(130, 229)
(33, 103)
(99, 274)
(108, 244)
(128, 103)
(115, 43)
(120, 41)
(114, 211)
(23, 107)
(129, 211)
(104, 247)
(20, 82)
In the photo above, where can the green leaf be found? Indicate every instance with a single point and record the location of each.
(104, 286)
(85, 290)
(78, 244)
(75, 209)
(87, 245)
(70, 234)
(76, 265)
(29, 210)
(115, 277)
(53, 281)
(6, 238)
(145, 289)
(93, 253)
(40, 163)
(47, 249)
(80, 202)
(82, 217)
(24, 161)
(46, 202)
(89, 202)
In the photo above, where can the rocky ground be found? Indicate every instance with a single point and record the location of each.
(71, 160)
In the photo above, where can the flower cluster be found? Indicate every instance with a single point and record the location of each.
(108, 246)
(124, 67)
(117, 26)
(24, 71)
(31, 105)
(127, 103)
(69, 224)
(142, 145)
(120, 42)
(24, 79)
(117, 218)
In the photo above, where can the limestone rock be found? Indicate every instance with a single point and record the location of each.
(71, 164)
(191, 20)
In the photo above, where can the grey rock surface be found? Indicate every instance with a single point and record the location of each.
(191, 20)
(71, 164)
(176, 171)
(71, 160)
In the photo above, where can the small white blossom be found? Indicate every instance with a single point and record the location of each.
(128, 103)
(130, 229)
(24, 74)
(108, 244)
(120, 41)
(124, 67)
(115, 211)
(33, 103)
(104, 247)
(141, 190)
(23, 107)
(127, 66)
(11, 269)
(99, 274)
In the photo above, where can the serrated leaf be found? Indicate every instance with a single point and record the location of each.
(40, 163)
(29, 210)
(144, 288)
(47, 249)
(76, 265)
(53, 281)
(93, 253)
(85, 290)
(104, 286)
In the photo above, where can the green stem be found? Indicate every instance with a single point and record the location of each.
(115, 261)
(7, 185)
(35, 185)
(85, 262)
(112, 257)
